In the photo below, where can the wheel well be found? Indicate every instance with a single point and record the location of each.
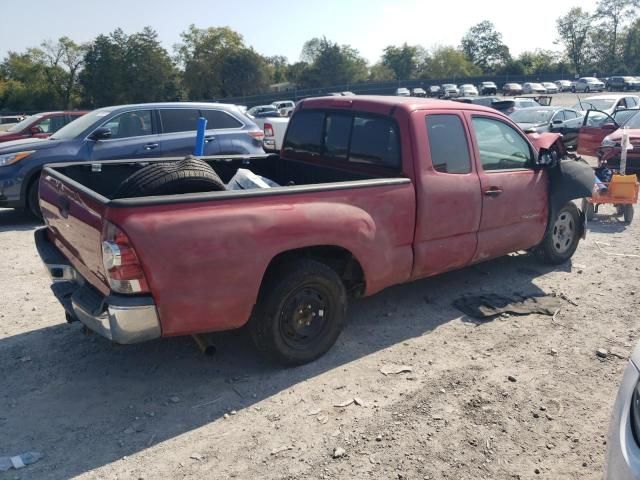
(26, 185)
(342, 261)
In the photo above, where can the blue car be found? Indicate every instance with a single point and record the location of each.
(127, 131)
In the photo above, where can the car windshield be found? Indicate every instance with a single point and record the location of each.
(590, 80)
(448, 85)
(628, 118)
(595, 104)
(76, 127)
(531, 115)
(24, 123)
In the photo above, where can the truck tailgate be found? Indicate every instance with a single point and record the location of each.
(74, 221)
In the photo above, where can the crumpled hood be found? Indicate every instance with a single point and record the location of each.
(27, 144)
(544, 141)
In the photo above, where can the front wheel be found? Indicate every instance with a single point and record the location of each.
(628, 213)
(300, 312)
(33, 199)
(587, 90)
(561, 239)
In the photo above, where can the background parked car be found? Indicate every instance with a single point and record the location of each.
(261, 111)
(563, 85)
(622, 84)
(587, 84)
(488, 88)
(550, 119)
(467, 90)
(512, 89)
(40, 125)
(7, 121)
(533, 87)
(127, 131)
(285, 107)
(403, 92)
(434, 91)
(449, 90)
(550, 87)
(608, 103)
(418, 92)
(497, 103)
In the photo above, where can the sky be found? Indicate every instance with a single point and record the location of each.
(279, 27)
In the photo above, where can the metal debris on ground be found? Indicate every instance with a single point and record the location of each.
(395, 369)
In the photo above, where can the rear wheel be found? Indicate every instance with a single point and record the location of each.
(561, 240)
(300, 313)
(628, 213)
(586, 90)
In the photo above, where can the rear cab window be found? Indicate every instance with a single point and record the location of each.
(344, 138)
(448, 144)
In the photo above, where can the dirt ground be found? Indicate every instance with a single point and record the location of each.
(164, 410)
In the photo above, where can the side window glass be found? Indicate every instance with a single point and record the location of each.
(338, 131)
(304, 134)
(448, 144)
(500, 146)
(375, 141)
(130, 124)
(45, 125)
(570, 115)
(559, 116)
(217, 119)
(57, 123)
(179, 120)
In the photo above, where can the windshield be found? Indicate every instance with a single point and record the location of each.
(590, 79)
(628, 118)
(24, 123)
(533, 115)
(76, 127)
(448, 85)
(595, 104)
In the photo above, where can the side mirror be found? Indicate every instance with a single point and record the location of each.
(101, 133)
(547, 158)
(35, 130)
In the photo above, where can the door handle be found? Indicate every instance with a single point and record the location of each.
(151, 146)
(493, 192)
(209, 138)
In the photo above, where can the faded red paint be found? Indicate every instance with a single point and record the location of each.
(205, 261)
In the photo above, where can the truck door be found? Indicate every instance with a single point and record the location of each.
(514, 194)
(595, 126)
(449, 202)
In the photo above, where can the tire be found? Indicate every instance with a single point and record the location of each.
(589, 210)
(561, 239)
(573, 89)
(586, 90)
(628, 214)
(300, 313)
(33, 200)
(190, 175)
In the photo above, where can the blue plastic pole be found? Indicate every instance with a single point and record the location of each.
(202, 126)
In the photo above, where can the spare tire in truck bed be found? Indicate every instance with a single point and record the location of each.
(190, 175)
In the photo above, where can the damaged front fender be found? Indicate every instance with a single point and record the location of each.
(548, 141)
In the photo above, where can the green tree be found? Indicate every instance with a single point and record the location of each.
(573, 30)
(278, 66)
(63, 60)
(25, 84)
(631, 53)
(243, 72)
(403, 60)
(333, 64)
(448, 62)
(381, 73)
(614, 14)
(483, 45)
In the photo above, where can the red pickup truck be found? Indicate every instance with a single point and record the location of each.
(376, 191)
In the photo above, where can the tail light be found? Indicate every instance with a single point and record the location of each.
(121, 263)
(258, 135)
(268, 130)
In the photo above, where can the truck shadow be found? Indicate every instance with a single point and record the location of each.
(85, 403)
(16, 220)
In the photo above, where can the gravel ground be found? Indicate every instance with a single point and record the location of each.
(512, 398)
(164, 410)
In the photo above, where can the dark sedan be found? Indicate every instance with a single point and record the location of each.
(127, 131)
(550, 119)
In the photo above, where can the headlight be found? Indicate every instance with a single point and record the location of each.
(607, 142)
(11, 158)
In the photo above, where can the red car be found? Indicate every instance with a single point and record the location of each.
(376, 191)
(40, 125)
(601, 135)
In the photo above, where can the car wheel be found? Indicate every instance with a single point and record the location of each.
(589, 210)
(586, 90)
(573, 89)
(33, 199)
(628, 214)
(300, 313)
(561, 239)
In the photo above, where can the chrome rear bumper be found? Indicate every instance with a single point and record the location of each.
(121, 319)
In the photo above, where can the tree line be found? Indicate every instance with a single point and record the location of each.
(214, 63)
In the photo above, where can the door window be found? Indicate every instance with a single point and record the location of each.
(559, 116)
(44, 125)
(304, 134)
(500, 145)
(130, 124)
(217, 119)
(179, 120)
(570, 114)
(448, 144)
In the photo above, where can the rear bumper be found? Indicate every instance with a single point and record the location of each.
(119, 318)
